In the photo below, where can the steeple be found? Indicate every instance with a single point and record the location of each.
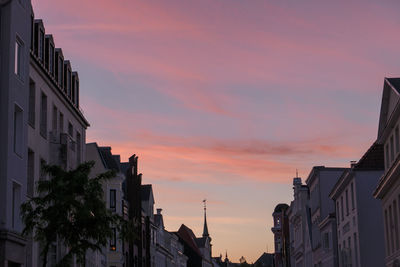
(205, 229)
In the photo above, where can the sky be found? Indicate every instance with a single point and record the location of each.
(224, 99)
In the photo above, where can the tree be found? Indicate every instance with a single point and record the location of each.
(70, 207)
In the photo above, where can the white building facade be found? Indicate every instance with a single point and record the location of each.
(41, 123)
(359, 215)
(388, 189)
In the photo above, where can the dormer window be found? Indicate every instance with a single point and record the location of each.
(77, 93)
(67, 78)
(60, 71)
(69, 83)
(73, 88)
(51, 59)
(41, 45)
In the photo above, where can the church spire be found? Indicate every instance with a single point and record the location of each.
(205, 229)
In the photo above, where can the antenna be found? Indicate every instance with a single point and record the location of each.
(205, 203)
(297, 174)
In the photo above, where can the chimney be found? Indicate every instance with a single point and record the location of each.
(353, 163)
(159, 211)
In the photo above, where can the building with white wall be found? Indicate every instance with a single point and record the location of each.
(388, 188)
(359, 215)
(320, 181)
(41, 122)
(113, 254)
(300, 226)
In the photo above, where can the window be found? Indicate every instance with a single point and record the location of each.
(349, 259)
(387, 157)
(112, 199)
(41, 42)
(352, 196)
(387, 233)
(73, 88)
(61, 128)
(396, 139)
(113, 240)
(396, 229)
(78, 148)
(42, 175)
(355, 249)
(16, 203)
(31, 173)
(70, 130)
(69, 83)
(391, 226)
(18, 133)
(77, 93)
(18, 58)
(43, 115)
(391, 149)
(60, 71)
(278, 221)
(54, 119)
(32, 95)
(51, 59)
(347, 203)
(341, 204)
(338, 211)
(326, 240)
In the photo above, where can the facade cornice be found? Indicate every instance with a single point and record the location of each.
(387, 179)
(343, 181)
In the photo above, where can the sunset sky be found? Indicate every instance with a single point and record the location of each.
(225, 99)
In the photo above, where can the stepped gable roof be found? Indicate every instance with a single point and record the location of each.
(373, 159)
(108, 158)
(187, 235)
(281, 207)
(145, 192)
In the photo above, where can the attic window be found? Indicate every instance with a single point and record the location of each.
(41, 42)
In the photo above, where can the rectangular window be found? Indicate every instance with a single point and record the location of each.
(41, 43)
(78, 148)
(54, 119)
(42, 175)
(60, 72)
(113, 240)
(18, 58)
(51, 59)
(352, 196)
(349, 257)
(18, 133)
(61, 123)
(77, 93)
(69, 84)
(16, 203)
(347, 203)
(396, 139)
(31, 173)
(43, 115)
(391, 149)
(355, 249)
(113, 199)
(73, 88)
(338, 211)
(387, 233)
(396, 229)
(391, 228)
(387, 162)
(341, 204)
(32, 103)
(70, 130)
(326, 241)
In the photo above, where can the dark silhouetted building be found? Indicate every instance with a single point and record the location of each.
(281, 235)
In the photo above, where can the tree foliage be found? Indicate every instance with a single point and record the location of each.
(69, 207)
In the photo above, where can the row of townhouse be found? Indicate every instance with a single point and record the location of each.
(41, 122)
(348, 217)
